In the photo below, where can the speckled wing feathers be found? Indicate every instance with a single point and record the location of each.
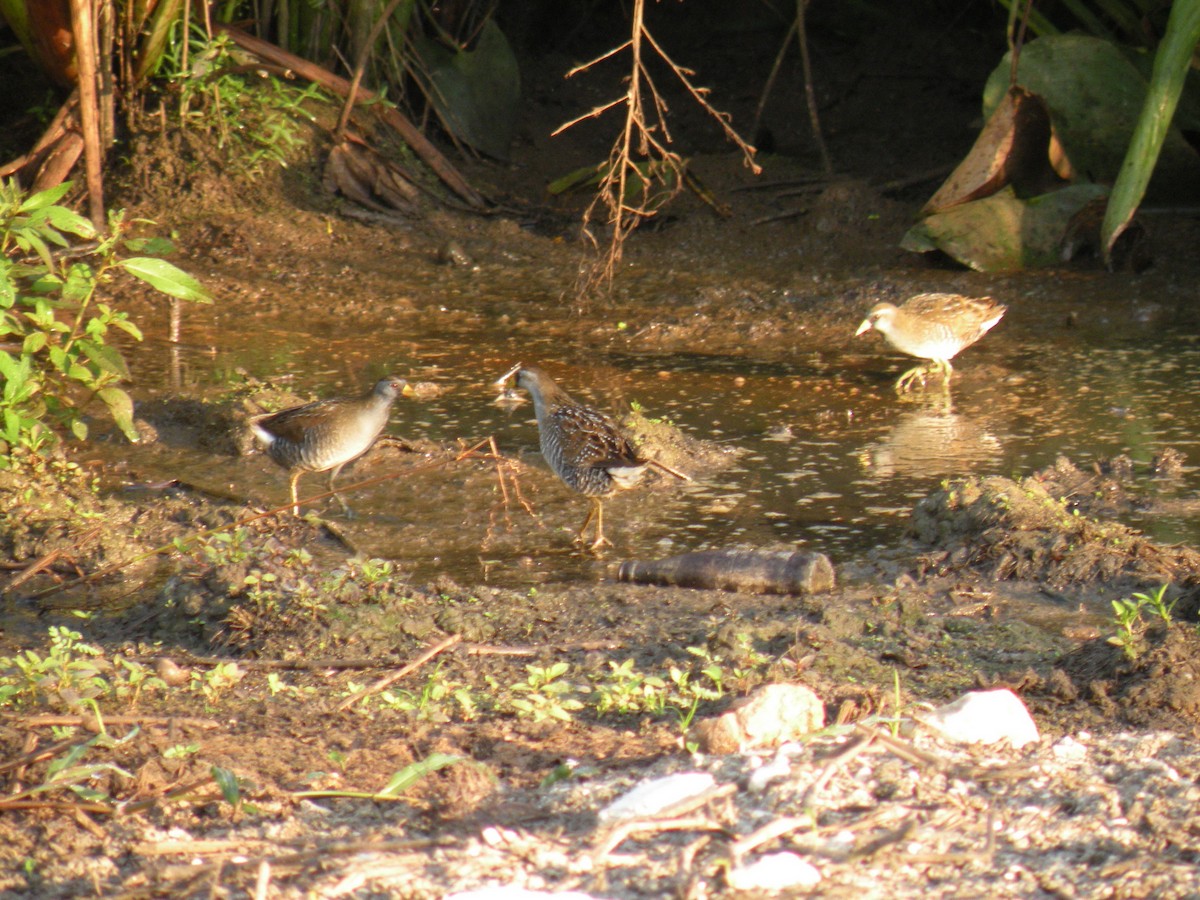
(591, 439)
(292, 425)
(966, 319)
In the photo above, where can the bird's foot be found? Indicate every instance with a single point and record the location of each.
(904, 382)
(596, 545)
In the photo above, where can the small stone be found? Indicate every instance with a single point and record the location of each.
(171, 672)
(1069, 749)
(984, 717)
(772, 715)
(774, 872)
(779, 767)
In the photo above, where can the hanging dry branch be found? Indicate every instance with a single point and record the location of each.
(642, 172)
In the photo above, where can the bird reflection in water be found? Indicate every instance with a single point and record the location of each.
(931, 439)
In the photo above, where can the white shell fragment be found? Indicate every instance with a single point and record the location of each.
(984, 717)
(779, 767)
(651, 797)
(774, 872)
(1069, 749)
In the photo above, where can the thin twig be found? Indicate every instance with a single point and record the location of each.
(88, 721)
(770, 82)
(83, 26)
(37, 754)
(625, 830)
(810, 95)
(400, 673)
(767, 833)
(363, 56)
(857, 745)
(626, 191)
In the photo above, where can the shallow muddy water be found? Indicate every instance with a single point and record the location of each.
(830, 459)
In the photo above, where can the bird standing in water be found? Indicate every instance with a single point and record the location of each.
(583, 446)
(327, 434)
(934, 327)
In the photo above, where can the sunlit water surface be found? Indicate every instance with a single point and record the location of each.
(830, 458)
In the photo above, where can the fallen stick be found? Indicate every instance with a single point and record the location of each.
(400, 673)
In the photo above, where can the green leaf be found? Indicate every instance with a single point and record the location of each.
(29, 241)
(169, 279)
(411, 774)
(45, 198)
(128, 327)
(150, 246)
(81, 373)
(15, 373)
(121, 407)
(34, 342)
(1094, 95)
(1003, 233)
(587, 176)
(228, 783)
(1171, 65)
(70, 221)
(107, 358)
(477, 92)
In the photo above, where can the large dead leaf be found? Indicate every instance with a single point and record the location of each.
(1093, 95)
(1003, 233)
(1013, 148)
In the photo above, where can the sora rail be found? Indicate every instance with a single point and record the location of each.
(327, 434)
(935, 327)
(583, 447)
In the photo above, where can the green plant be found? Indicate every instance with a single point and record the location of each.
(690, 688)
(231, 789)
(217, 680)
(626, 690)
(71, 672)
(545, 694)
(74, 675)
(1131, 626)
(1157, 603)
(371, 571)
(255, 123)
(432, 700)
(227, 548)
(70, 772)
(262, 592)
(276, 685)
(401, 780)
(52, 311)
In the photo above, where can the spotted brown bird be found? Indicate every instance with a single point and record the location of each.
(933, 326)
(583, 446)
(327, 434)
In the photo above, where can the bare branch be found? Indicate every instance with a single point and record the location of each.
(599, 59)
(642, 173)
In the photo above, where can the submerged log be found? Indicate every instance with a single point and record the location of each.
(749, 571)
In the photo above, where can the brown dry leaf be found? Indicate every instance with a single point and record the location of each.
(1012, 147)
(369, 179)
